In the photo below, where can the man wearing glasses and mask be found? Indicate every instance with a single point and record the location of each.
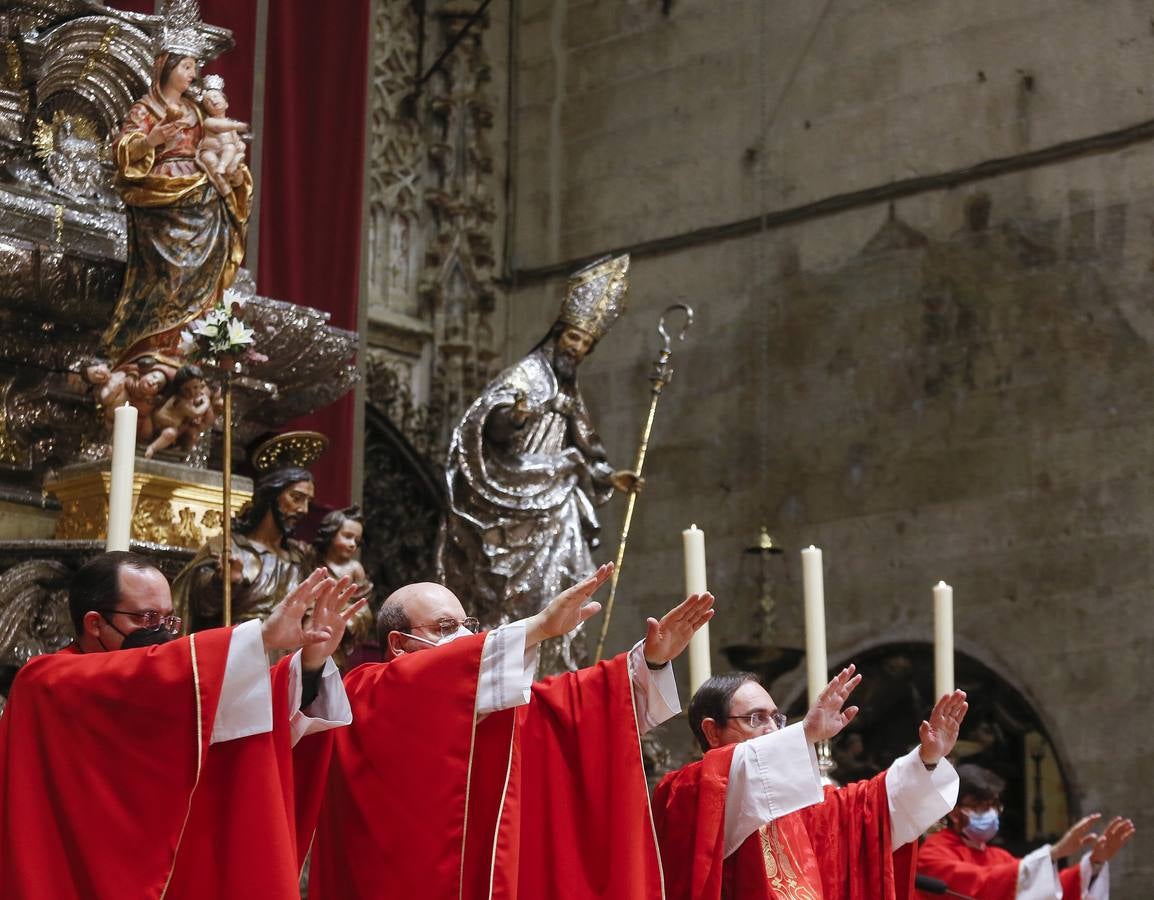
(461, 779)
(137, 764)
(961, 856)
(750, 820)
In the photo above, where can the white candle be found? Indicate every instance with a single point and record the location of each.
(693, 540)
(120, 486)
(816, 668)
(943, 640)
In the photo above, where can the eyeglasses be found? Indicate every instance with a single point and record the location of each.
(448, 626)
(761, 719)
(149, 619)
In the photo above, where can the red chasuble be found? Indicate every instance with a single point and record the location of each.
(544, 802)
(576, 823)
(100, 755)
(393, 820)
(989, 874)
(111, 789)
(254, 811)
(835, 850)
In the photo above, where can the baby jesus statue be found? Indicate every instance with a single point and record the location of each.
(221, 150)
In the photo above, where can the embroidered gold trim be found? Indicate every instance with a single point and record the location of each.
(199, 760)
(781, 870)
(468, 785)
(501, 806)
(641, 758)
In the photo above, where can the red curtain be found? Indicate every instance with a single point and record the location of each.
(316, 82)
(236, 66)
(148, 7)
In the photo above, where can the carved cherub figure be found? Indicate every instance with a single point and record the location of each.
(185, 415)
(108, 387)
(144, 382)
(221, 150)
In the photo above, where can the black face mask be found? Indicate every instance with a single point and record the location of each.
(146, 637)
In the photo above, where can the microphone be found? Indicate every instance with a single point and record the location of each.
(936, 886)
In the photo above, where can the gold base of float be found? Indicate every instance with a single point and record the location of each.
(171, 504)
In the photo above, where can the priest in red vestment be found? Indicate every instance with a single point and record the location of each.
(960, 855)
(134, 765)
(750, 821)
(461, 779)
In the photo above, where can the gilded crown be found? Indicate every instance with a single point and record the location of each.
(596, 296)
(213, 83)
(182, 32)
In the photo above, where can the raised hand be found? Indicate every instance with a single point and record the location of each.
(285, 629)
(940, 732)
(826, 717)
(1117, 833)
(567, 610)
(667, 639)
(1077, 838)
(331, 611)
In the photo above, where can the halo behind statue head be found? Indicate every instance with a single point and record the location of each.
(293, 448)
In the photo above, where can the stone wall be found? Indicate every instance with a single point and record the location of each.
(948, 379)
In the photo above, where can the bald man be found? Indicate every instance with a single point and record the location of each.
(461, 778)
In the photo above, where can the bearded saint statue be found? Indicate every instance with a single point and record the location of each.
(526, 470)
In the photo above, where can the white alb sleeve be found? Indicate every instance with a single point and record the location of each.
(770, 776)
(507, 670)
(331, 707)
(1094, 888)
(654, 691)
(1038, 876)
(918, 797)
(245, 706)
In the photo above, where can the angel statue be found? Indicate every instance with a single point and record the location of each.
(185, 239)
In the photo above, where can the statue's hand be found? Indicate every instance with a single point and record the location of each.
(627, 481)
(235, 568)
(519, 414)
(162, 134)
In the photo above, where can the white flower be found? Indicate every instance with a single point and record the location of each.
(239, 333)
(217, 316)
(188, 344)
(206, 329)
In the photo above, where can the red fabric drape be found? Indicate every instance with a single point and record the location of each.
(394, 815)
(257, 799)
(99, 758)
(311, 184)
(148, 7)
(576, 821)
(236, 66)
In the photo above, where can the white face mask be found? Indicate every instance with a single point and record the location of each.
(461, 631)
